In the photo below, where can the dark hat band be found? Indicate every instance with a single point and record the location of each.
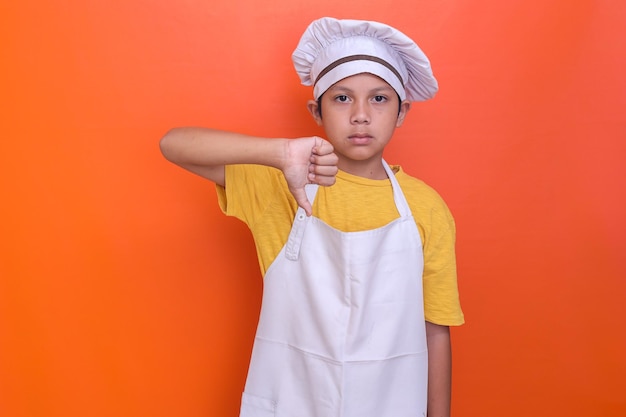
(350, 58)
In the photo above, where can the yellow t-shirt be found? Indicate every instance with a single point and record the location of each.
(259, 196)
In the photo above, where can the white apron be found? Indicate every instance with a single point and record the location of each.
(341, 331)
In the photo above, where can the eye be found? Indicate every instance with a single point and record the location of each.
(380, 99)
(341, 98)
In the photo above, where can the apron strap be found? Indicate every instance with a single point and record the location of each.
(292, 248)
(398, 196)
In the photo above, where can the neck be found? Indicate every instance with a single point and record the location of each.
(371, 169)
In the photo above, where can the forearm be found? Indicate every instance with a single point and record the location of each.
(207, 151)
(439, 370)
(307, 160)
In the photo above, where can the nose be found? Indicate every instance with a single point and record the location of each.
(360, 113)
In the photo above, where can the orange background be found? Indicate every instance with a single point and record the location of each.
(125, 292)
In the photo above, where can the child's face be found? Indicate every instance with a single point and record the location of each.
(359, 116)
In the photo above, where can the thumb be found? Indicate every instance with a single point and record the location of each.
(302, 200)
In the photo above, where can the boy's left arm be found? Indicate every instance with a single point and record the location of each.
(439, 370)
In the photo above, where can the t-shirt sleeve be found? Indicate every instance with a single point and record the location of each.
(441, 296)
(249, 190)
(259, 196)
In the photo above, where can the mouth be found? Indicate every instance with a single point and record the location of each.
(360, 138)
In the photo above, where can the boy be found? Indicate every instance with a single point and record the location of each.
(360, 274)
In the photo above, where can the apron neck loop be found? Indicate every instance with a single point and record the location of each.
(398, 197)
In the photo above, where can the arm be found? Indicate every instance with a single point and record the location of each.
(205, 152)
(439, 370)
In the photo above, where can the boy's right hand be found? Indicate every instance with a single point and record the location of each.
(308, 161)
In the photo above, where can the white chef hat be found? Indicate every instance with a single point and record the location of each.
(331, 50)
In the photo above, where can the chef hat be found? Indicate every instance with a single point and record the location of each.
(331, 50)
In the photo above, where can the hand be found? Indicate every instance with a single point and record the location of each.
(308, 161)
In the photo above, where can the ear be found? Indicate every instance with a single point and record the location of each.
(405, 106)
(313, 108)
